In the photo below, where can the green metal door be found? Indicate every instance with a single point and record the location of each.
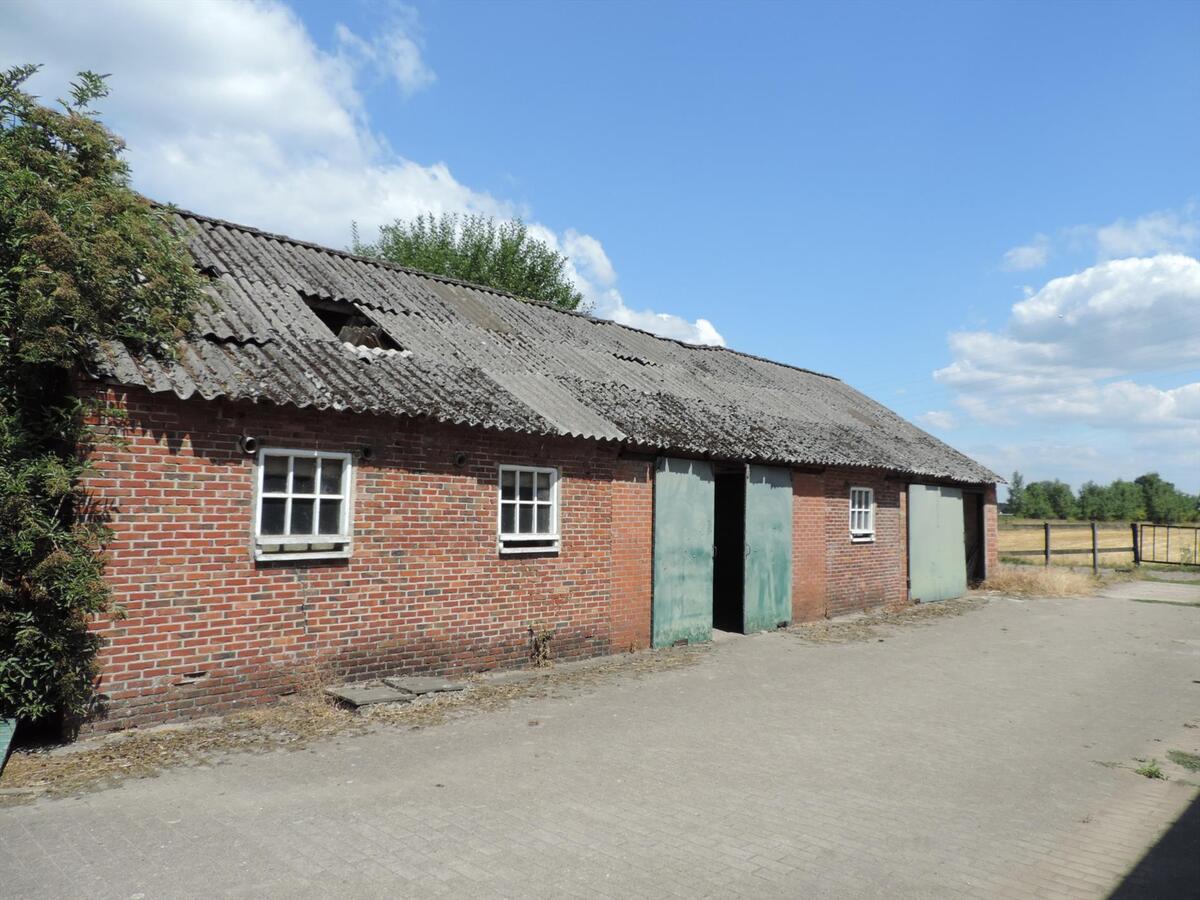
(683, 552)
(937, 566)
(767, 595)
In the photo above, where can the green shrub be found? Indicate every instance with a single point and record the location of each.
(1150, 770)
(83, 258)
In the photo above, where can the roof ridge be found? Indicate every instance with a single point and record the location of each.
(458, 282)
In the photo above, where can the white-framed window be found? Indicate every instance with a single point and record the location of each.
(527, 509)
(302, 505)
(862, 514)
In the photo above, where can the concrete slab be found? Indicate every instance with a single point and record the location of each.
(423, 684)
(368, 694)
(1186, 594)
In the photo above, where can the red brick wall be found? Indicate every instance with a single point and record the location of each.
(425, 589)
(209, 629)
(632, 553)
(991, 532)
(808, 546)
(902, 599)
(861, 576)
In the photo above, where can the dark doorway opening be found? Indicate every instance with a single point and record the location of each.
(729, 547)
(973, 537)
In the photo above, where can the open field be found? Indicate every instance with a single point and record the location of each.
(1028, 535)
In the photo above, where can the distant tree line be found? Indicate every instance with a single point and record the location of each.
(1148, 498)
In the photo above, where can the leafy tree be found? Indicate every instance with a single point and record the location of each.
(82, 258)
(1095, 502)
(1049, 500)
(1164, 503)
(1127, 501)
(1062, 498)
(1147, 497)
(479, 249)
(1035, 502)
(1016, 493)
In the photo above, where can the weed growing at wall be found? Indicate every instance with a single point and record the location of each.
(83, 259)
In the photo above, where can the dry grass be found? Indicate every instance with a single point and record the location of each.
(1031, 581)
(867, 627)
(292, 723)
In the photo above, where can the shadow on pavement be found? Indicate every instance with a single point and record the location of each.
(1171, 868)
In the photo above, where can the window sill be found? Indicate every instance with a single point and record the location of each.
(862, 538)
(276, 556)
(548, 546)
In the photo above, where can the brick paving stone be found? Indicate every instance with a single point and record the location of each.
(954, 760)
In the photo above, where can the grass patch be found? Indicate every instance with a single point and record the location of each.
(1142, 576)
(1165, 602)
(1160, 567)
(1044, 581)
(1189, 761)
(1150, 770)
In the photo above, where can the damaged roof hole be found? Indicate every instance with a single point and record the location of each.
(351, 325)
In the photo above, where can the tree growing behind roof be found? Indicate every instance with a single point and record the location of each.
(83, 258)
(479, 249)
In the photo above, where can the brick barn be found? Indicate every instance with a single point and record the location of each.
(370, 470)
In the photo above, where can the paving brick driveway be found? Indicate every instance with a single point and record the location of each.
(955, 759)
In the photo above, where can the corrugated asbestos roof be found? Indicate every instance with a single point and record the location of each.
(481, 357)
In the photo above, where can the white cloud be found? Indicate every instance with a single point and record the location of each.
(1072, 352)
(1159, 232)
(589, 255)
(1028, 256)
(941, 419)
(232, 109)
(1165, 231)
(590, 268)
(393, 52)
(700, 331)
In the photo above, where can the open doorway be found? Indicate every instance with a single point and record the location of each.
(729, 543)
(973, 536)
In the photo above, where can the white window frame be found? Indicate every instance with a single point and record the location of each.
(527, 542)
(865, 532)
(341, 541)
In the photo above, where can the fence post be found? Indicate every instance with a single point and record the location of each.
(1046, 525)
(1137, 549)
(1167, 552)
(1095, 552)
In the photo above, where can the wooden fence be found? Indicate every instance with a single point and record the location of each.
(1139, 542)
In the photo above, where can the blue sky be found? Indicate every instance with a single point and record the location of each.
(984, 215)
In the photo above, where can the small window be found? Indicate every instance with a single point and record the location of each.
(862, 514)
(528, 509)
(303, 505)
